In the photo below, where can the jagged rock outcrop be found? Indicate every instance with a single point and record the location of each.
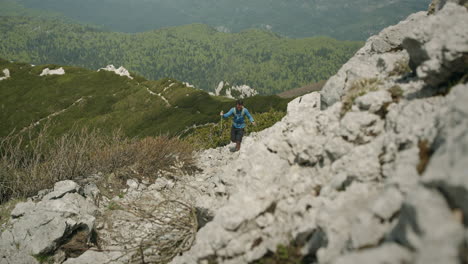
(234, 92)
(121, 71)
(6, 74)
(47, 71)
(40, 228)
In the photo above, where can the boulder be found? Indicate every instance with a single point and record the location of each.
(438, 46)
(447, 167)
(365, 64)
(61, 188)
(427, 225)
(40, 228)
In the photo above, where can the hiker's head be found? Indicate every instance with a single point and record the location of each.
(239, 104)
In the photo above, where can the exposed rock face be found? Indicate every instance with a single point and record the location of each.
(234, 92)
(437, 45)
(6, 74)
(121, 71)
(47, 71)
(39, 228)
(377, 59)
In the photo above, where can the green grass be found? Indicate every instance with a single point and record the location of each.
(108, 102)
(44, 259)
(5, 211)
(285, 254)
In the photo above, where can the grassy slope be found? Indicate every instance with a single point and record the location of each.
(109, 102)
(194, 53)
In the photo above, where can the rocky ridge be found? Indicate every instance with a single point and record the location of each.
(371, 170)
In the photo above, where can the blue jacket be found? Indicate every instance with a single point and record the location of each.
(238, 121)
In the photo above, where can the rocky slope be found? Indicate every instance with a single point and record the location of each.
(372, 170)
(377, 174)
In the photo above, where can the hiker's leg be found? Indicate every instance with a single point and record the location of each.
(240, 135)
(233, 135)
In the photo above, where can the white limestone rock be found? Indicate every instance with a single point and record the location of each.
(61, 188)
(47, 71)
(361, 127)
(447, 168)
(390, 253)
(438, 45)
(121, 71)
(374, 101)
(234, 92)
(6, 74)
(427, 225)
(16, 257)
(366, 62)
(40, 228)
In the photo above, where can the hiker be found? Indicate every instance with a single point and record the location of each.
(238, 124)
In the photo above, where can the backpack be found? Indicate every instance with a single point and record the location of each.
(242, 112)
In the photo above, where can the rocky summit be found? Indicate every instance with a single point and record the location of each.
(371, 170)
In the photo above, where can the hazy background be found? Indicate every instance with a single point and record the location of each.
(340, 19)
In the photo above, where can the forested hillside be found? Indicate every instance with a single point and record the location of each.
(194, 53)
(106, 101)
(347, 20)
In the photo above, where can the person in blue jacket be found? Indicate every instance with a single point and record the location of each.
(238, 124)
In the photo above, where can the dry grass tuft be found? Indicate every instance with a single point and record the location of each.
(401, 68)
(425, 153)
(358, 88)
(29, 164)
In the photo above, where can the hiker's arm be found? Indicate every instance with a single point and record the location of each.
(249, 116)
(228, 114)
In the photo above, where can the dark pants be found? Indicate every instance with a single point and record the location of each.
(237, 134)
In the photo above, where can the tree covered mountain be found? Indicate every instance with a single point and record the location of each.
(107, 101)
(347, 20)
(194, 53)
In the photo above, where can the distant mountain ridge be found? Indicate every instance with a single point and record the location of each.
(196, 53)
(346, 20)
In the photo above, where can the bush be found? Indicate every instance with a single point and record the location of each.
(27, 166)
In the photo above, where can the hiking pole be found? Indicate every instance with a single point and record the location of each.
(221, 128)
